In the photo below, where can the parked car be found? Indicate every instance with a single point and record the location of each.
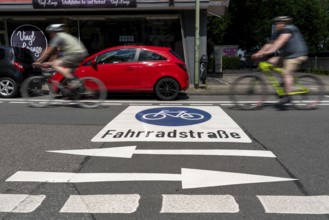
(137, 69)
(15, 67)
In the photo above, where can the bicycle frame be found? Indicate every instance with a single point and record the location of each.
(268, 68)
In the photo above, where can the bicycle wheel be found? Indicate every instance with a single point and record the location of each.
(308, 92)
(91, 93)
(248, 92)
(37, 91)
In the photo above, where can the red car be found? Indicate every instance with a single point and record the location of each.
(137, 69)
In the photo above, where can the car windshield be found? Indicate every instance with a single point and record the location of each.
(24, 55)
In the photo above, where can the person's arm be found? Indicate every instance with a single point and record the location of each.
(45, 55)
(278, 43)
(260, 53)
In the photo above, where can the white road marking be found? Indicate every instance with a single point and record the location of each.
(295, 204)
(190, 178)
(127, 203)
(138, 103)
(199, 204)
(129, 151)
(182, 129)
(20, 203)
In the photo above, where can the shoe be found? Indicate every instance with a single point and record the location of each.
(74, 83)
(285, 100)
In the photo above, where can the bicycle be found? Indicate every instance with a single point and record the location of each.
(173, 114)
(41, 91)
(251, 91)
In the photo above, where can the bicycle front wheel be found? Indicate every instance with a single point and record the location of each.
(37, 91)
(91, 93)
(308, 92)
(248, 92)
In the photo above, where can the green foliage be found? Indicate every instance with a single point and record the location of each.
(248, 23)
(231, 63)
(215, 31)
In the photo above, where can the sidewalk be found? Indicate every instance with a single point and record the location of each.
(216, 85)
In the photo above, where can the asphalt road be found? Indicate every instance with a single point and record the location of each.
(298, 139)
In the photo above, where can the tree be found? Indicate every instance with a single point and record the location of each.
(248, 23)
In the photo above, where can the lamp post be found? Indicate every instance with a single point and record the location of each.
(197, 45)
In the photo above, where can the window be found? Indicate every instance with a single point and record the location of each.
(146, 55)
(2, 53)
(117, 56)
(24, 55)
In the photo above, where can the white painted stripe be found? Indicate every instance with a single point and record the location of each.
(140, 104)
(168, 104)
(199, 204)
(20, 203)
(295, 204)
(190, 178)
(17, 102)
(101, 204)
(209, 152)
(63, 177)
(129, 151)
(111, 104)
(201, 104)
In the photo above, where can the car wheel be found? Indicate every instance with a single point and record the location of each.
(8, 87)
(167, 89)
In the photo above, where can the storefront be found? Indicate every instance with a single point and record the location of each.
(100, 24)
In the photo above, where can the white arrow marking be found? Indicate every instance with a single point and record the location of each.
(190, 178)
(127, 152)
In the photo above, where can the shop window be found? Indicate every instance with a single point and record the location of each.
(2, 54)
(146, 55)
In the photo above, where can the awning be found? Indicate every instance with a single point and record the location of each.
(214, 7)
(218, 7)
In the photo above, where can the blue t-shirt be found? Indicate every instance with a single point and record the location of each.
(295, 46)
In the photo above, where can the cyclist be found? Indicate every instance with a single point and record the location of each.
(72, 53)
(293, 51)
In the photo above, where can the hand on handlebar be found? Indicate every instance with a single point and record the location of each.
(257, 56)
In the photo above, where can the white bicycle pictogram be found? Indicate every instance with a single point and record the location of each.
(174, 114)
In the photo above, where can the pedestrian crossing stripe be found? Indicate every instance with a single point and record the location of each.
(171, 203)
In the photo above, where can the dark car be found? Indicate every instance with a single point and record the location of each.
(15, 67)
(137, 68)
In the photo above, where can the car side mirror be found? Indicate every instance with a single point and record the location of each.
(94, 64)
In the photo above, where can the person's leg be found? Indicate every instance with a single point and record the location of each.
(274, 61)
(290, 66)
(65, 71)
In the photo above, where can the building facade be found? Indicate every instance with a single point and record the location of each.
(100, 24)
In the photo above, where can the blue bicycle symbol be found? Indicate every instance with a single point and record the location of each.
(173, 116)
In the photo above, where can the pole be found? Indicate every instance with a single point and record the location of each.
(197, 45)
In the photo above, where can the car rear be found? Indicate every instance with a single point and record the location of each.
(15, 67)
(183, 76)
